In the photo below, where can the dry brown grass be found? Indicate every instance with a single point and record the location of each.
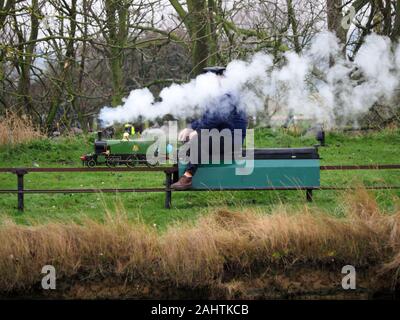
(225, 248)
(15, 129)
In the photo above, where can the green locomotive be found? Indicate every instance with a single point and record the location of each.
(117, 152)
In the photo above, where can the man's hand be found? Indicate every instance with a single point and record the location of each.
(186, 134)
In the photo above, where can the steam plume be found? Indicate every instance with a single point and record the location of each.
(319, 84)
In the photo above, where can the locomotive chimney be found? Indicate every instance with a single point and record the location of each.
(99, 135)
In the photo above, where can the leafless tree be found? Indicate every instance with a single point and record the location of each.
(61, 60)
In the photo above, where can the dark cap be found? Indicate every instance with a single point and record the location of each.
(217, 70)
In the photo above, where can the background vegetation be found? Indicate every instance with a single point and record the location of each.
(60, 61)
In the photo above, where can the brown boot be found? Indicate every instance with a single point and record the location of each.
(183, 183)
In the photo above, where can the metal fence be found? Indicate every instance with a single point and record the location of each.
(171, 175)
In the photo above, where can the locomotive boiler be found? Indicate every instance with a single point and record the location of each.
(119, 152)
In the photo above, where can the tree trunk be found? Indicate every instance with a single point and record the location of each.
(395, 36)
(197, 23)
(5, 7)
(213, 41)
(386, 11)
(25, 57)
(199, 35)
(117, 24)
(65, 89)
(294, 24)
(82, 64)
(2, 82)
(335, 17)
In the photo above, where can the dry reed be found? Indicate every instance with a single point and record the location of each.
(15, 129)
(219, 246)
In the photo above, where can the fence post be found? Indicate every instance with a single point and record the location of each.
(309, 195)
(175, 174)
(168, 193)
(20, 181)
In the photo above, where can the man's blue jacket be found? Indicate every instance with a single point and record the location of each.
(222, 114)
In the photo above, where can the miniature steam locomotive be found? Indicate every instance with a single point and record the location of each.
(118, 152)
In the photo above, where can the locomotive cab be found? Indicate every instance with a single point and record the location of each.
(100, 148)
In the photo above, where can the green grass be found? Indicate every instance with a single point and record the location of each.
(379, 147)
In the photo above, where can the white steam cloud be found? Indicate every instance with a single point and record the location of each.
(319, 84)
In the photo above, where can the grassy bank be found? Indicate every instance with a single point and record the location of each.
(209, 245)
(354, 148)
(226, 254)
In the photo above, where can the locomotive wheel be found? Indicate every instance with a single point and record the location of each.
(132, 161)
(151, 165)
(110, 163)
(91, 163)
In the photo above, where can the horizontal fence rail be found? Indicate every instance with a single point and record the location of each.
(170, 176)
(174, 169)
(362, 167)
(89, 190)
(98, 169)
(124, 190)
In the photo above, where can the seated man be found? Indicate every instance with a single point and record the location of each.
(129, 130)
(220, 115)
(125, 136)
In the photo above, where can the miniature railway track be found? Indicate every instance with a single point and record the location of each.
(170, 174)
